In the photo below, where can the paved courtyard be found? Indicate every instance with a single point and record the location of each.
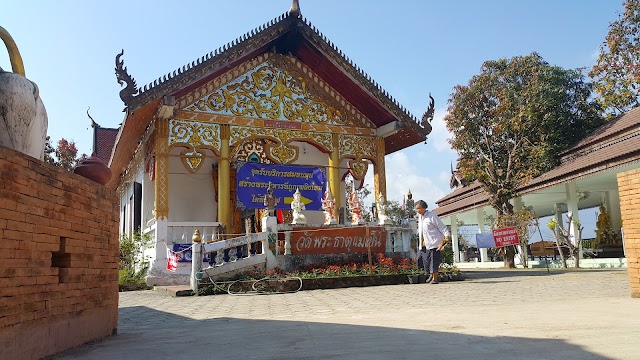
(493, 315)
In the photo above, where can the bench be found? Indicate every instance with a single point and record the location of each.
(542, 249)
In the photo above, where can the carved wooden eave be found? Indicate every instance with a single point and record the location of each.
(290, 33)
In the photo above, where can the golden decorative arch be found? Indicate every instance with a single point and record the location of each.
(278, 141)
(357, 150)
(195, 138)
(358, 168)
(251, 147)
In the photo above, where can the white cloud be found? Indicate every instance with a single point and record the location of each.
(439, 133)
(402, 176)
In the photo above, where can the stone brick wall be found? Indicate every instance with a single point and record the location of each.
(629, 188)
(58, 258)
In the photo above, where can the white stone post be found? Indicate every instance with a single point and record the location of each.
(269, 226)
(196, 260)
(454, 239)
(398, 244)
(484, 255)
(406, 239)
(389, 244)
(287, 243)
(158, 260)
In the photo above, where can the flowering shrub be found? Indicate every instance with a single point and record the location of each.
(274, 273)
(448, 269)
(381, 265)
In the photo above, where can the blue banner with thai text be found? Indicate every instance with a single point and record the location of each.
(184, 253)
(253, 179)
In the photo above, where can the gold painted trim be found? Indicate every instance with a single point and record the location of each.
(224, 179)
(161, 202)
(379, 171)
(357, 147)
(184, 115)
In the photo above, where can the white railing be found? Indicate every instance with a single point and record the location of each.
(227, 256)
(398, 238)
(236, 248)
(181, 232)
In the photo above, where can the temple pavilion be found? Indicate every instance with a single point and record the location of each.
(281, 94)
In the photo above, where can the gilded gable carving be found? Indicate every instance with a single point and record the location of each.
(358, 149)
(278, 88)
(278, 141)
(195, 137)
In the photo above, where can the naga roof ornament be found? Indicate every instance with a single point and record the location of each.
(131, 89)
(427, 117)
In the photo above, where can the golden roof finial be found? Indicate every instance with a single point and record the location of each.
(295, 8)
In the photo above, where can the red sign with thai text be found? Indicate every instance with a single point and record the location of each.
(506, 236)
(282, 124)
(347, 240)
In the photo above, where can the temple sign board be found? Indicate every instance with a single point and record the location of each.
(357, 239)
(253, 179)
(506, 236)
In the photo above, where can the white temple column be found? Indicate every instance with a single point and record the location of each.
(572, 206)
(613, 208)
(484, 256)
(158, 253)
(454, 238)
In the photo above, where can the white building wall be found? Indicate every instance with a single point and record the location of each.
(191, 195)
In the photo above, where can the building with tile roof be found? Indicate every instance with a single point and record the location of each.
(281, 94)
(585, 178)
(103, 141)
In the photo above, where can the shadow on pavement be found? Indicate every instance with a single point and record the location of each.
(150, 334)
(473, 274)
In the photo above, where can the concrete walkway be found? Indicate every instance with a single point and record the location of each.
(495, 314)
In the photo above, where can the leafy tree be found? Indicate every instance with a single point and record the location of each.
(523, 221)
(513, 119)
(395, 212)
(617, 73)
(65, 155)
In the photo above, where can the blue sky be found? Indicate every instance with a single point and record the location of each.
(411, 48)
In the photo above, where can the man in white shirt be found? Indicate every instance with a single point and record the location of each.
(433, 235)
